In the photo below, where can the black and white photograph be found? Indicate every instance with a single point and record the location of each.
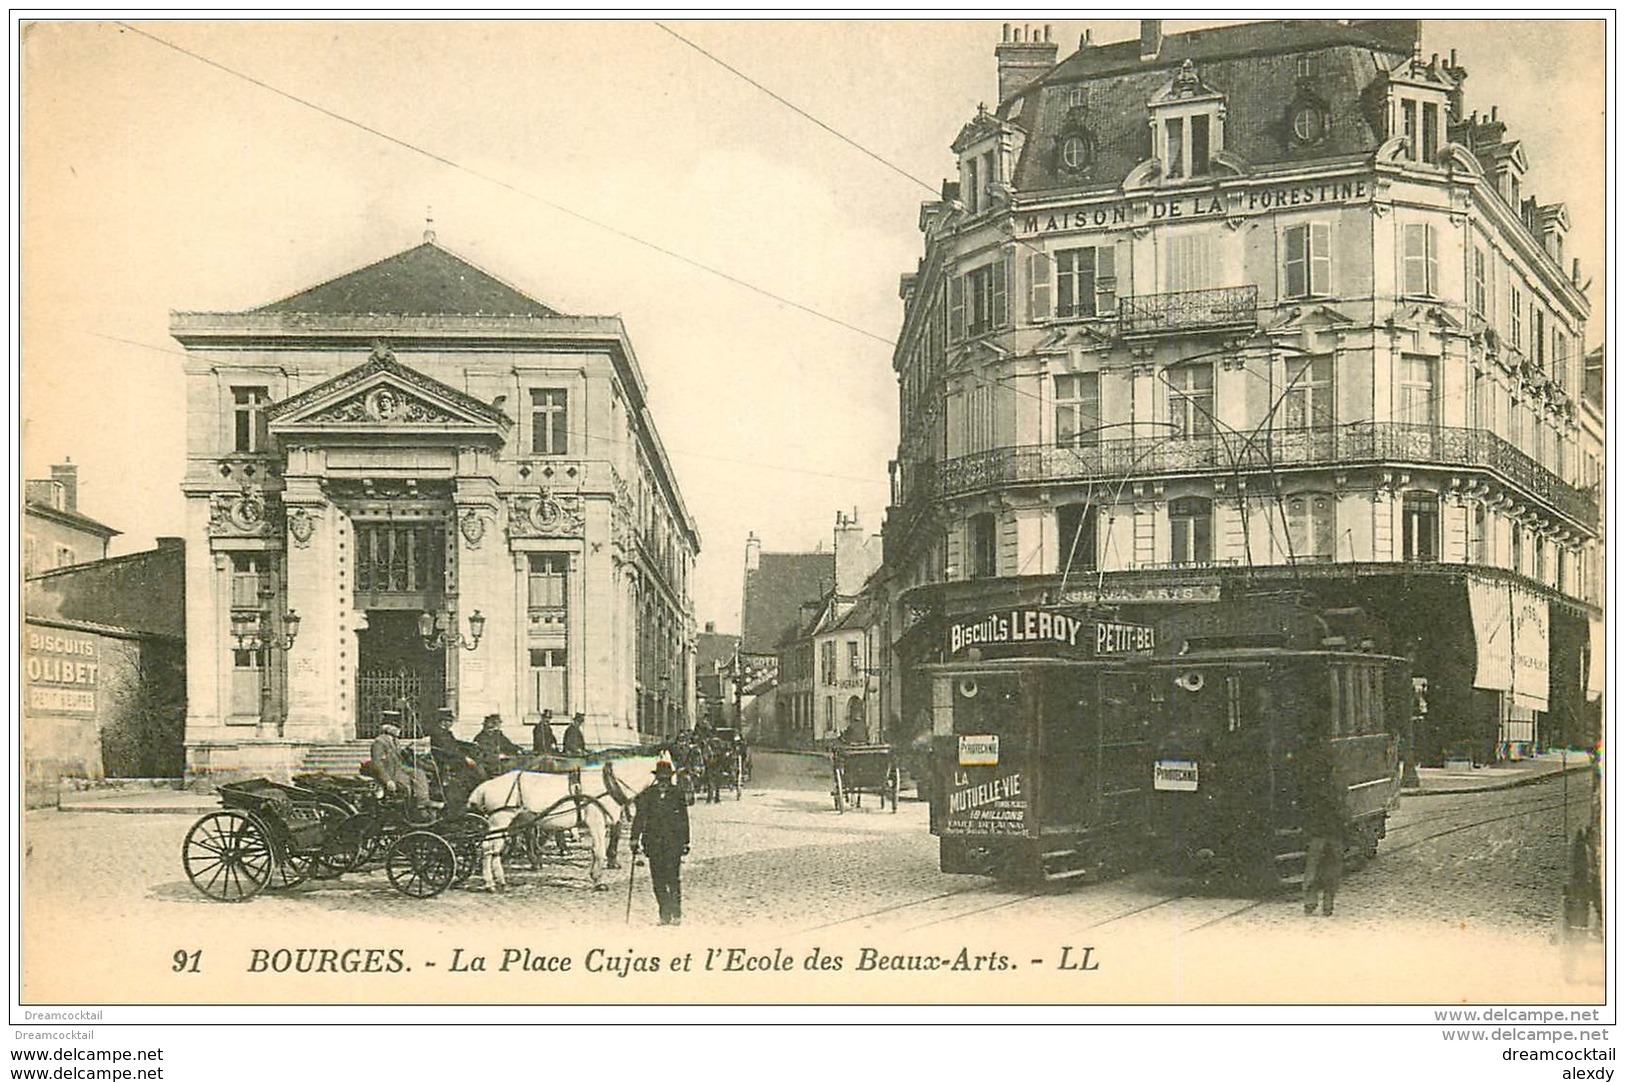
(1100, 518)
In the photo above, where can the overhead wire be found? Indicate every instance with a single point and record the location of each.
(488, 178)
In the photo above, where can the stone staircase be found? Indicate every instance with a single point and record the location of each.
(345, 758)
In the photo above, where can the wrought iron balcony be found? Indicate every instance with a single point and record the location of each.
(1190, 310)
(1361, 443)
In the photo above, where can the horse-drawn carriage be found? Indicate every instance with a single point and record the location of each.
(727, 763)
(270, 836)
(864, 768)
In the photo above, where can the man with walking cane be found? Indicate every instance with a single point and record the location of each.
(660, 830)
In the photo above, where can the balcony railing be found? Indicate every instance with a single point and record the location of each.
(1362, 443)
(1193, 309)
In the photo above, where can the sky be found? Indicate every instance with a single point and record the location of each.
(155, 181)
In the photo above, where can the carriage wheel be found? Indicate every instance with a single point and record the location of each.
(291, 870)
(227, 855)
(466, 832)
(346, 848)
(421, 864)
(840, 794)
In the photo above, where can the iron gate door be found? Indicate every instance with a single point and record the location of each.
(378, 690)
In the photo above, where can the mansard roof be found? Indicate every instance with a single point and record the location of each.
(425, 280)
(1252, 66)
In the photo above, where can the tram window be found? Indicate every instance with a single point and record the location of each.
(1336, 711)
(1375, 722)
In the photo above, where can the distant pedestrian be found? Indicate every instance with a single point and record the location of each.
(575, 741)
(660, 830)
(1323, 814)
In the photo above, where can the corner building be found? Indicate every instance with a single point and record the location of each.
(1256, 308)
(390, 452)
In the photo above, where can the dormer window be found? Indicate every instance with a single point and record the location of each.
(986, 148)
(1418, 95)
(1187, 125)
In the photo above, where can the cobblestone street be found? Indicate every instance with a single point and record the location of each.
(1463, 902)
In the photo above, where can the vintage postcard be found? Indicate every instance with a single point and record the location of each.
(759, 512)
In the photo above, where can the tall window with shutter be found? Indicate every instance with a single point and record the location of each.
(1086, 281)
(1191, 262)
(1421, 258)
(1308, 260)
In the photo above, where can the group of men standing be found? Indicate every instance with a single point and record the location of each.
(460, 765)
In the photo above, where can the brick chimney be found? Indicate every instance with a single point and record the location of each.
(753, 552)
(67, 475)
(1025, 53)
(1150, 39)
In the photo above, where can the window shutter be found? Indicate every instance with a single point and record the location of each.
(1105, 279)
(1038, 289)
(1415, 255)
(956, 308)
(1320, 259)
(1001, 312)
(1431, 237)
(1297, 261)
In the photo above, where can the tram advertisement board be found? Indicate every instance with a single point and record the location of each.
(988, 800)
(1024, 632)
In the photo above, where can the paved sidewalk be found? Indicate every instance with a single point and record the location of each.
(1440, 780)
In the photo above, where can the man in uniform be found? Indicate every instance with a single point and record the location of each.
(660, 830)
(575, 741)
(389, 763)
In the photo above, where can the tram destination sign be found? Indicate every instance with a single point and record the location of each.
(1046, 633)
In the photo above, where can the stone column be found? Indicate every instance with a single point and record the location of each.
(488, 677)
(321, 664)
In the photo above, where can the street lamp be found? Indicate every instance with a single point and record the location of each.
(247, 628)
(439, 631)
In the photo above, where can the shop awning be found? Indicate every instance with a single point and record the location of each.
(1531, 648)
(1597, 667)
(1490, 604)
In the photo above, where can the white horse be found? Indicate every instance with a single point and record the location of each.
(550, 803)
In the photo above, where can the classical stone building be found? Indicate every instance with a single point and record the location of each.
(1256, 307)
(415, 486)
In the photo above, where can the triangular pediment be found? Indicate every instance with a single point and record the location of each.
(1310, 316)
(385, 395)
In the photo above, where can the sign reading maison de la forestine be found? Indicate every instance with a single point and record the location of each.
(1140, 211)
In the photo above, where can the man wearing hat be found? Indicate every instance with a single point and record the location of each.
(543, 741)
(458, 772)
(660, 830)
(494, 745)
(575, 741)
(389, 764)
